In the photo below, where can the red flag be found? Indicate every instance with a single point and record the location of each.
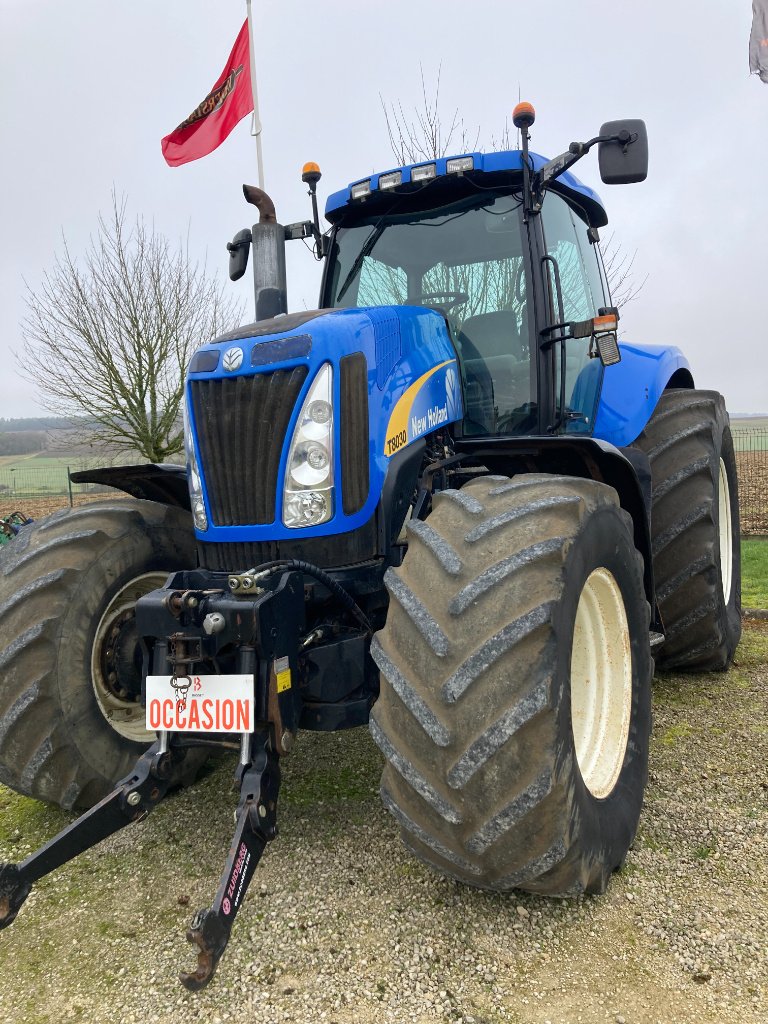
(226, 104)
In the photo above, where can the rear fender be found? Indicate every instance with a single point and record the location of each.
(632, 388)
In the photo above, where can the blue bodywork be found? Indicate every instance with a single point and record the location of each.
(402, 345)
(414, 380)
(632, 388)
(507, 160)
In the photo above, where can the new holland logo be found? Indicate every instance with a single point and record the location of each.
(233, 359)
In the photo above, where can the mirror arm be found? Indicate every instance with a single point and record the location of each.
(557, 165)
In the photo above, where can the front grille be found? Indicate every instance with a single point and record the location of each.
(236, 556)
(354, 433)
(334, 552)
(241, 424)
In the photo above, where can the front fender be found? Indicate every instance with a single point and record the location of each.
(160, 482)
(632, 388)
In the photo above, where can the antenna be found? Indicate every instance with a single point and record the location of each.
(517, 141)
(523, 117)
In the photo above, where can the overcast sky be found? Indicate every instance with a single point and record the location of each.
(89, 88)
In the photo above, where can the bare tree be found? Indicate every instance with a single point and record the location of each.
(421, 135)
(618, 269)
(107, 339)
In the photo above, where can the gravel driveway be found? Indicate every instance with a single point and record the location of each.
(342, 925)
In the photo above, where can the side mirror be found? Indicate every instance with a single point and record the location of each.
(238, 250)
(623, 160)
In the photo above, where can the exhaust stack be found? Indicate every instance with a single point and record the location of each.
(268, 240)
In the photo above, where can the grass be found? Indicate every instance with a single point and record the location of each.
(20, 817)
(754, 573)
(39, 462)
(41, 476)
(750, 434)
(749, 423)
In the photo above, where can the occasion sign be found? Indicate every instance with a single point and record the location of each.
(200, 703)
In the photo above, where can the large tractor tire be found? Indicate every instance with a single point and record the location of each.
(515, 685)
(71, 721)
(694, 530)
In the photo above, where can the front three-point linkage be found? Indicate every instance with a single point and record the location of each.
(131, 800)
(193, 620)
(258, 777)
(259, 781)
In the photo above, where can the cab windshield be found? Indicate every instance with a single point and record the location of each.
(465, 261)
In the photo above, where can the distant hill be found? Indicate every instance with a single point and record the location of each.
(17, 426)
(56, 436)
(21, 442)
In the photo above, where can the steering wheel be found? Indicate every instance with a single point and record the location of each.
(445, 299)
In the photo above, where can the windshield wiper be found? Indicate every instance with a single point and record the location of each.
(370, 241)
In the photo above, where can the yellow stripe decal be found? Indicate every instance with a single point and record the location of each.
(398, 433)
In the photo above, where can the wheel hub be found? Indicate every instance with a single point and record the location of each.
(121, 658)
(601, 683)
(116, 660)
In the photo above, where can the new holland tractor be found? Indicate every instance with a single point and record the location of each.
(447, 504)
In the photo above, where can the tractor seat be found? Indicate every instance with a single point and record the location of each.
(495, 334)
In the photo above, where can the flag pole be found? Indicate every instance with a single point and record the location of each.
(256, 130)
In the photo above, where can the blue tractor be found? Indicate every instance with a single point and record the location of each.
(447, 503)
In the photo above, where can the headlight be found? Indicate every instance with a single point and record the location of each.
(193, 476)
(308, 491)
(361, 189)
(459, 164)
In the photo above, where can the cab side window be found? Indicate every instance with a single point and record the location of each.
(581, 283)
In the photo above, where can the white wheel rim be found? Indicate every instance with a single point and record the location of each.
(726, 533)
(601, 683)
(126, 717)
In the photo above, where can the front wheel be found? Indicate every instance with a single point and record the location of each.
(71, 720)
(515, 685)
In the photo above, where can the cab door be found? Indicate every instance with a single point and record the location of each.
(574, 283)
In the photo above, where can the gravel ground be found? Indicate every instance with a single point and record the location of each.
(342, 925)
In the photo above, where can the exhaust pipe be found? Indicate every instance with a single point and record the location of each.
(268, 239)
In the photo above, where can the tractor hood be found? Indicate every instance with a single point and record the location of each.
(390, 375)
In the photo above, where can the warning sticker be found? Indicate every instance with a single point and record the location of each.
(283, 674)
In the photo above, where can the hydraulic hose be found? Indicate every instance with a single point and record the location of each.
(322, 577)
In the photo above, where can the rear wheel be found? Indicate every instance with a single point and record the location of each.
(71, 721)
(694, 529)
(515, 668)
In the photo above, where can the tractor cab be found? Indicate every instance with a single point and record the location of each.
(505, 247)
(466, 250)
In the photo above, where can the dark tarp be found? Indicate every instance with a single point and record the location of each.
(758, 41)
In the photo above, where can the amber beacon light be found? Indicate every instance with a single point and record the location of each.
(523, 115)
(310, 172)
